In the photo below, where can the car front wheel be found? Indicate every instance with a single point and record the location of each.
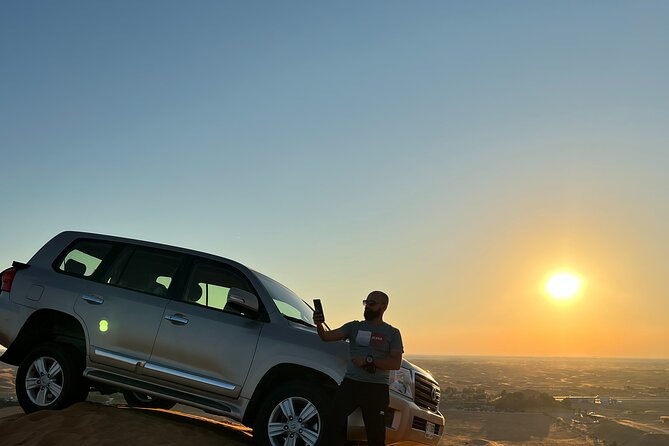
(294, 414)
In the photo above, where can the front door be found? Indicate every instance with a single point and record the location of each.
(204, 342)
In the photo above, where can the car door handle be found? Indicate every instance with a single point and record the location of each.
(177, 319)
(92, 299)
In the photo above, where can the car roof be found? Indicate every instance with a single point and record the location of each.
(67, 237)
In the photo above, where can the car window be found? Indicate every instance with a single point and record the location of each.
(84, 257)
(213, 296)
(149, 271)
(287, 310)
(210, 283)
(287, 302)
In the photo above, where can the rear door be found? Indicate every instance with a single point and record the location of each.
(204, 342)
(123, 310)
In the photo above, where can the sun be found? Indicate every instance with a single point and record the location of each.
(563, 285)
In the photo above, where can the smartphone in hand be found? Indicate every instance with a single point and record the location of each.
(319, 317)
(318, 307)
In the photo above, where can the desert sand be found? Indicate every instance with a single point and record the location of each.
(105, 420)
(96, 424)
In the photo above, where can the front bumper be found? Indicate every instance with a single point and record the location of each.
(406, 424)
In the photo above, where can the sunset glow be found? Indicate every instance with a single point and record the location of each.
(497, 171)
(563, 285)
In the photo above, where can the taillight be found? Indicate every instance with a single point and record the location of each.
(8, 278)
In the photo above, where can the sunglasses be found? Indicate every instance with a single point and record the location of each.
(370, 303)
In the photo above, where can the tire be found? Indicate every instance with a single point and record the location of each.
(137, 399)
(281, 418)
(50, 377)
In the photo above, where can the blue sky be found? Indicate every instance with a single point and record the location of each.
(425, 148)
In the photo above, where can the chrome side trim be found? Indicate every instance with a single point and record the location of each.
(116, 357)
(179, 374)
(204, 403)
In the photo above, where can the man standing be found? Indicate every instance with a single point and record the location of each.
(375, 348)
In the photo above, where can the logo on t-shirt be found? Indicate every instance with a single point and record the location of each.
(377, 341)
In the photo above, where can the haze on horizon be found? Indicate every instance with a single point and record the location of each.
(454, 154)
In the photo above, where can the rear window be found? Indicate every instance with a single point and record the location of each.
(84, 257)
(149, 271)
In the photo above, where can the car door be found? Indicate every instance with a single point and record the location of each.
(123, 311)
(204, 342)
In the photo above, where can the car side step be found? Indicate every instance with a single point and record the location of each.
(158, 391)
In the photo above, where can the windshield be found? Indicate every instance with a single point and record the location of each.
(288, 303)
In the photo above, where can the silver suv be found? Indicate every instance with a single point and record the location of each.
(167, 325)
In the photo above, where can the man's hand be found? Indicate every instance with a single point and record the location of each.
(392, 362)
(359, 361)
(319, 318)
(363, 364)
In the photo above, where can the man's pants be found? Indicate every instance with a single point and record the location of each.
(371, 398)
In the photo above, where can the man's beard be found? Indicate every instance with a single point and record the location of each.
(371, 314)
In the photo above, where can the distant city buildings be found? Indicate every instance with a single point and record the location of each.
(603, 400)
(586, 418)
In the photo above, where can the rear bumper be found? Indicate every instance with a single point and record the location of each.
(406, 427)
(12, 318)
(7, 320)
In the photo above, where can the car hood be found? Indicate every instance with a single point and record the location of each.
(411, 366)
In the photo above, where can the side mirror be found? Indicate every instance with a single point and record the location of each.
(242, 300)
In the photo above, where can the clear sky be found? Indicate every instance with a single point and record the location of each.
(453, 154)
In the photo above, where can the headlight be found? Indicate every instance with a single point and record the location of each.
(401, 381)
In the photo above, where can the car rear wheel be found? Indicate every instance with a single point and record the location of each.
(50, 378)
(137, 399)
(294, 414)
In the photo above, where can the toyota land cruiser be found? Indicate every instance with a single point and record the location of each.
(167, 325)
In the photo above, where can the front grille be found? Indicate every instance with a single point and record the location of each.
(421, 425)
(427, 393)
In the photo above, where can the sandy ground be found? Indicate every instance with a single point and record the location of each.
(105, 420)
(98, 425)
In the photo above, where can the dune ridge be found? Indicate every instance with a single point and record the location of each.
(99, 425)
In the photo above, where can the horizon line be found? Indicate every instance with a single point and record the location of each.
(443, 355)
(473, 356)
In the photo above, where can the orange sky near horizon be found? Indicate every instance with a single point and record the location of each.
(489, 298)
(506, 311)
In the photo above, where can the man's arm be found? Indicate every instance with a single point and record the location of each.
(330, 335)
(392, 362)
(327, 335)
(394, 359)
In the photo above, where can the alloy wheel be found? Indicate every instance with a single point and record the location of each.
(44, 381)
(295, 421)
